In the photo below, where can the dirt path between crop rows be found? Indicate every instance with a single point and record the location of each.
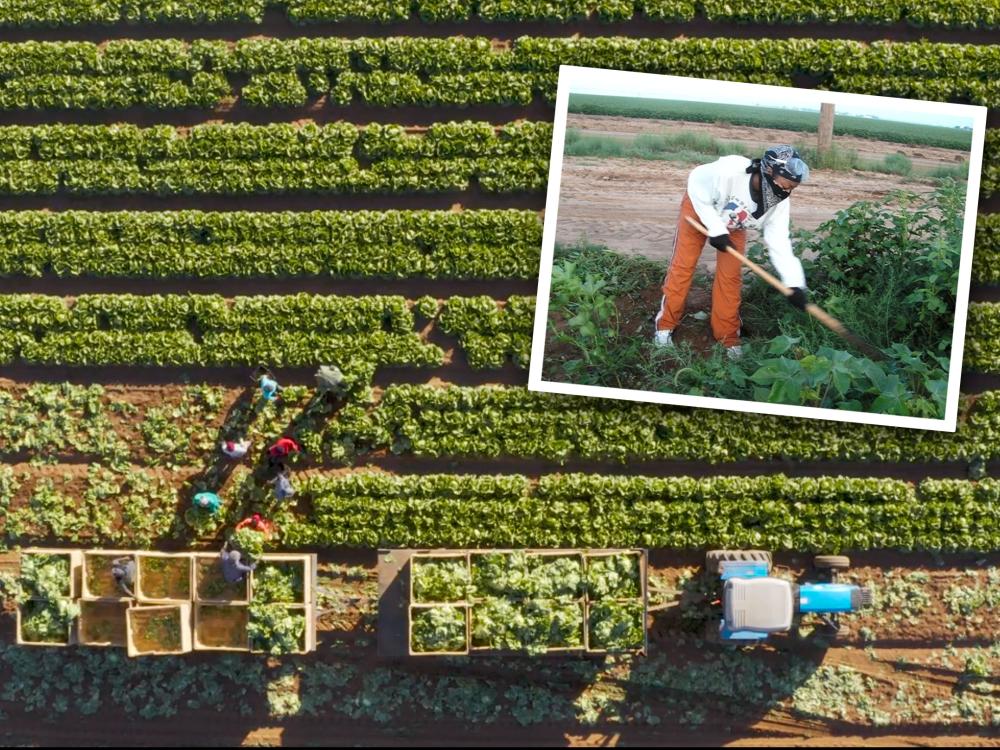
(631, 205)
(913, 642)
(277, 24)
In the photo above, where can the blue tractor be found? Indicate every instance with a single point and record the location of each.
(756, 604)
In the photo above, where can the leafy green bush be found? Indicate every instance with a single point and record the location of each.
(249, 542)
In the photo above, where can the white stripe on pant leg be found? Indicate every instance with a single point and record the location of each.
(673, 257)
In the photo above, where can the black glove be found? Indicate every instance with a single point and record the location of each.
(720, 242)
(798, 298)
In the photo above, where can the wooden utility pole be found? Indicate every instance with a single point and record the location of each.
(825, 128)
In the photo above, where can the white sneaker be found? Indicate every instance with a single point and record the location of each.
(734, 352)
(663, 339)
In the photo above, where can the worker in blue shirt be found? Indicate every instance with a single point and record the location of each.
(234, 569)
(269, 387)
(282, 484)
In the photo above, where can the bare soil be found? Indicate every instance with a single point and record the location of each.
(632, 205)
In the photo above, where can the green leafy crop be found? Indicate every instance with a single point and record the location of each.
(438, 629)
(275, 629)
(616, 626)
(440, 580)
(613, 576)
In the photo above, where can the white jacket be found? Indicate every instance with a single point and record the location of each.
(720, 192)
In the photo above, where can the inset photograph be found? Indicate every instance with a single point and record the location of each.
(757, 248)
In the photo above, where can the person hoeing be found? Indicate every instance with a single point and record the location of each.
(728, 196)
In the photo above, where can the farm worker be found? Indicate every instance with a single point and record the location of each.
(257, 523)
(282, 448)
(235, 449)
(123, 571)
(208, 501)
(282, 485)
(727, 196)
(234, 569)
(269, 387)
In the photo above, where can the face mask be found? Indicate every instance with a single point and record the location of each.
(772, 194)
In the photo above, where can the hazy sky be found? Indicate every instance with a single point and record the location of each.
(649, 87)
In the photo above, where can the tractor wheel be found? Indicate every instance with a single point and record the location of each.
(831, 562)
(717, 556)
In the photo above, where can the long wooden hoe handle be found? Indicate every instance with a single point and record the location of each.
(815, 310)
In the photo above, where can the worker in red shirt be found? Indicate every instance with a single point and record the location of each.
(282, 449)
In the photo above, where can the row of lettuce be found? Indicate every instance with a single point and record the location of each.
(52, 421)
(371, 510)
(920, 13)
(493, 422)
(303, 329)
(273, 159)
(280, 158)
(775, 512)
(172, 73)
(282, 330)
(468, 244)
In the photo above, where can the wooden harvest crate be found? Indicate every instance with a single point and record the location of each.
(539, 554)
(221, 627)
(309, 635)
(73, 556)
(71, 627)
(103, 623)
(549, 649)
(163, 578)
(208, 585)
(305, 563)
(159, 629)
(420, 557)
(414, 611)
(641, 601)
(96, 574)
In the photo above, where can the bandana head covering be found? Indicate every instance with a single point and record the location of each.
(781, 161)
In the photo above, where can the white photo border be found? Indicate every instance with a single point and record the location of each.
(695, 88)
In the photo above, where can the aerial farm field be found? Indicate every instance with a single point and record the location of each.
(191, 190)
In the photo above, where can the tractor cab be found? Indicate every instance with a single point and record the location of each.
(755, 604)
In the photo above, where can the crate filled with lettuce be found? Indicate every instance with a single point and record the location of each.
(616, 601)
(281, 616)
(527, 601)
(46, 609)
(440, 586)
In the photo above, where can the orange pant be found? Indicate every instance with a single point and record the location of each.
(688, 244)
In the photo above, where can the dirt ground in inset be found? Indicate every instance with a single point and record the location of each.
(632, 205)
